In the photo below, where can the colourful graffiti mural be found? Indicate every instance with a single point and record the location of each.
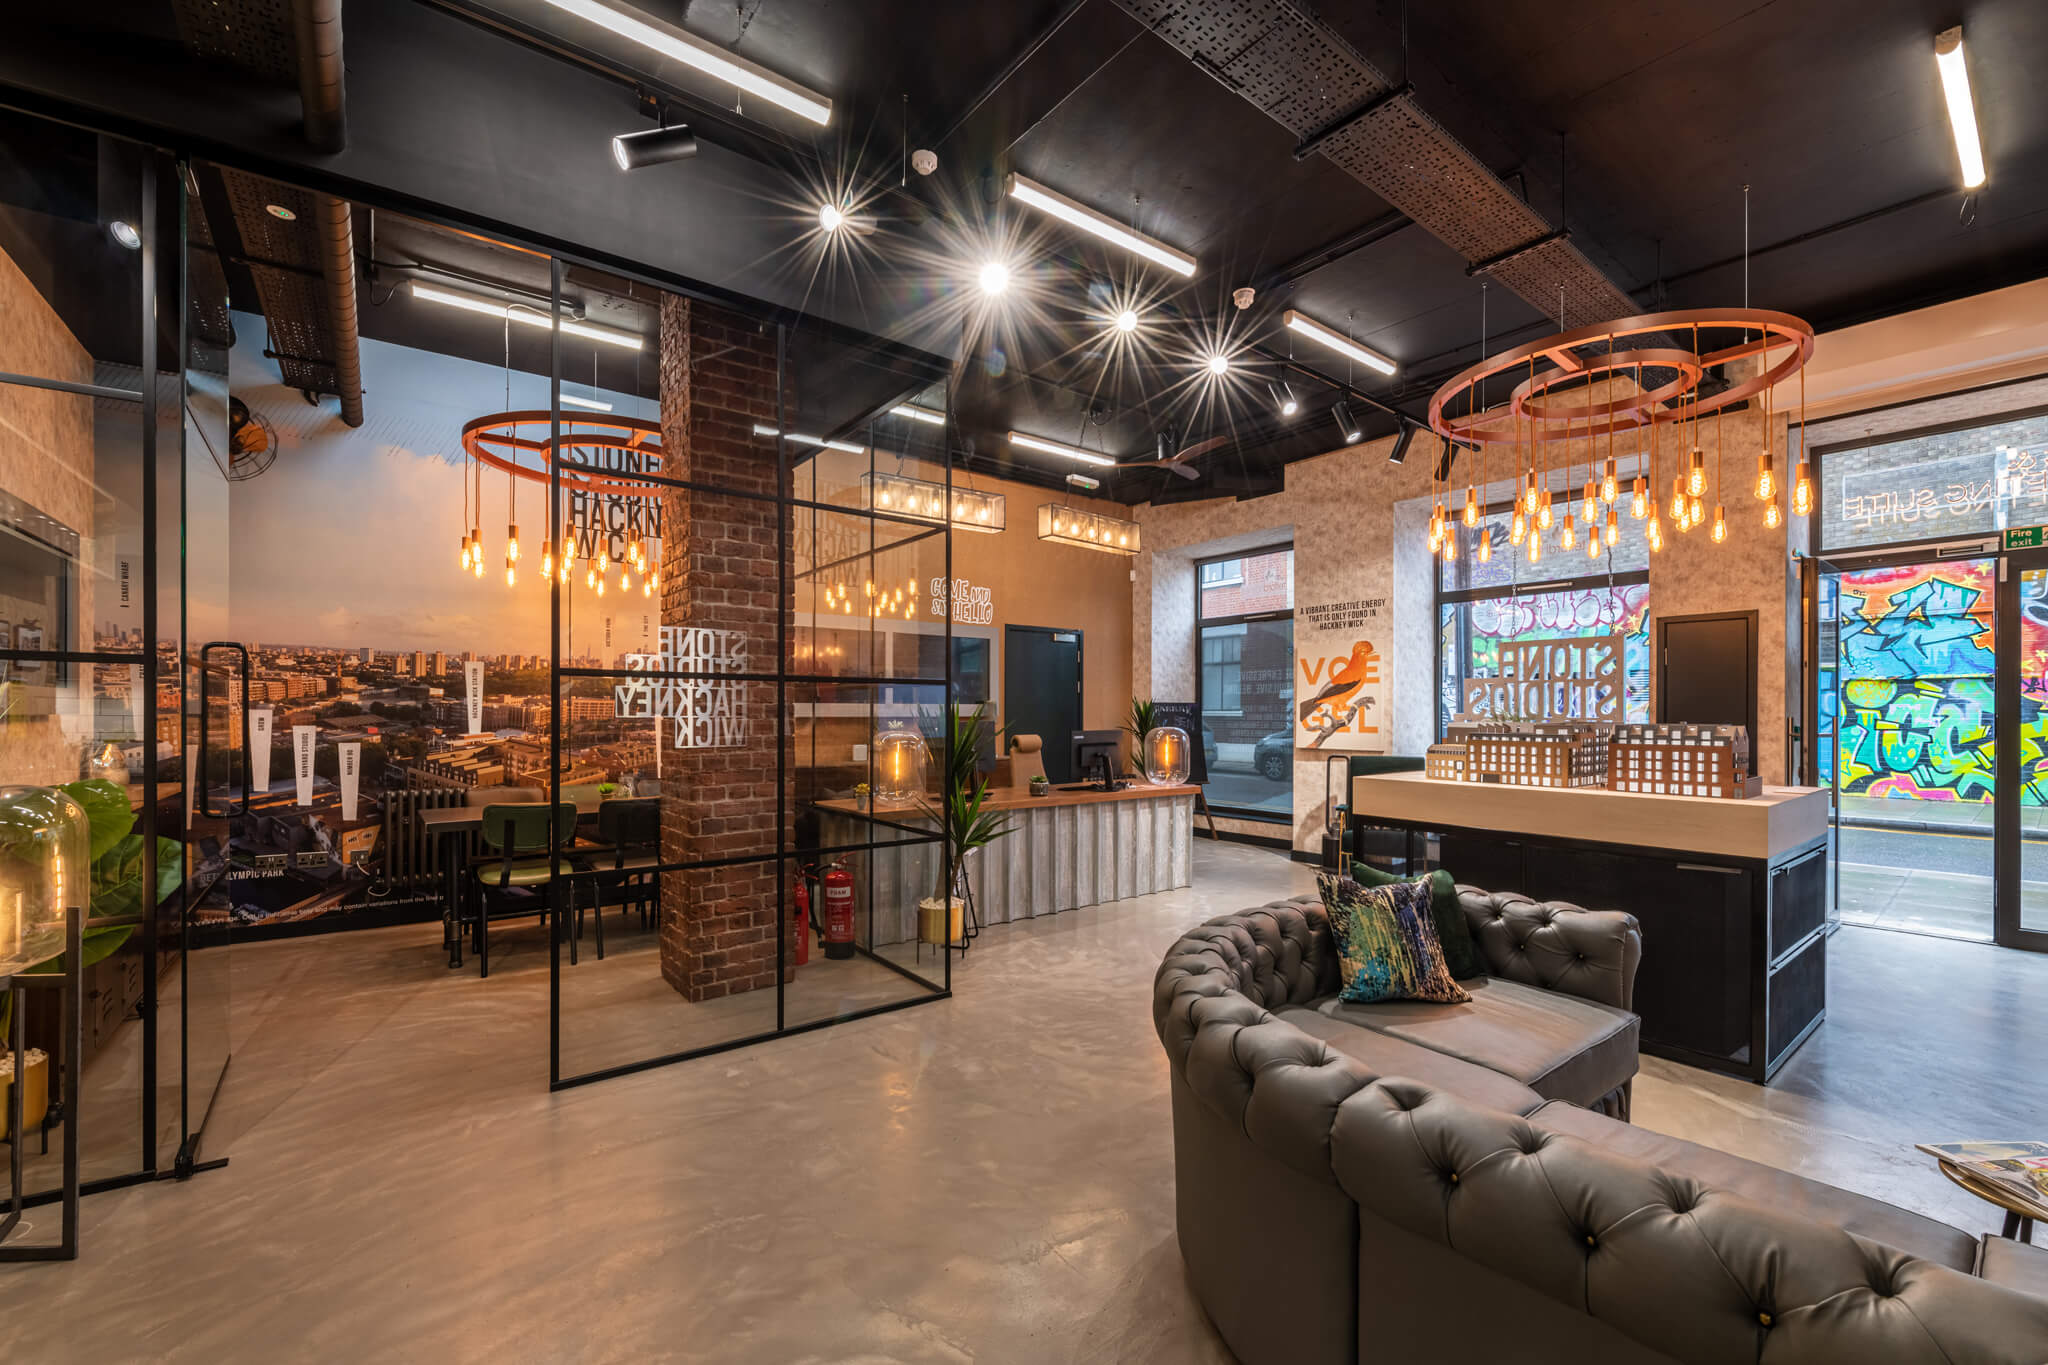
(1475, 631)
(1912, 693)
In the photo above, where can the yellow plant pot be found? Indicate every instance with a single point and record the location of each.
(35, 1092)
(933, 921)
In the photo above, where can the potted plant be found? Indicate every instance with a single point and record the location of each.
(863, 796)
(963, 815)
(1143, 719)
(1040, 784)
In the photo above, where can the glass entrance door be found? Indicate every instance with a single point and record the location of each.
(2022, 913)
(1907, 721)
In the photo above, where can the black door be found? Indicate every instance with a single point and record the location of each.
(1042, 691)
(1706, 672)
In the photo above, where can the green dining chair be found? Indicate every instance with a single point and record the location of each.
(516, 867)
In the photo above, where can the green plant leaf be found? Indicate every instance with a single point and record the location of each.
(106, 806)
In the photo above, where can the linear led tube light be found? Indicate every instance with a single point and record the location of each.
(1962, 110)
(594, 404)
(1107, 228)
(692, 51)
(1336, 341)
(918, 414)
(1018, 438)
(801, 439)
(523, 315)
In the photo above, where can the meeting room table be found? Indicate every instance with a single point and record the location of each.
(449, 827)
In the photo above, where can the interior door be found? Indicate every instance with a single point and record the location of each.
(2020, 919)
(1042, 691)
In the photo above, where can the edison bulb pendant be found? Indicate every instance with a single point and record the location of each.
(1772, 518)
(1609, 488)
(1568, 539)
(1535, 547)
(1518, 527)
(1639, 499)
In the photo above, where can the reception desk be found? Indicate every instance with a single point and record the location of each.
(1065, 850)
(1732, 894)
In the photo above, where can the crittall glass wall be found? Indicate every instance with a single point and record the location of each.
(414, 610)
(1244, 642)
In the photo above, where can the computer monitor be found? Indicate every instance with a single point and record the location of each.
(1097, 753)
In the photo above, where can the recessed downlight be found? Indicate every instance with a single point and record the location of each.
(1219, 364)
(1127, 320)
(281, 213)
(994, 278)
(124, 234)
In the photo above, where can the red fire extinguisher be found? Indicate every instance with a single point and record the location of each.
(800, 918)
(838, 934)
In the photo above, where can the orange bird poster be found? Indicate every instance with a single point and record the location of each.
(1340, 683)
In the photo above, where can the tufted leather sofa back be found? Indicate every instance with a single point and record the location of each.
(1689, 1272)
(1555, 946)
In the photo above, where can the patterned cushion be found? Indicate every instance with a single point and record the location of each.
(1387, 947)
(1461, 954)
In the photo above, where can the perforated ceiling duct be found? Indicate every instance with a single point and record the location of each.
(1310, 81)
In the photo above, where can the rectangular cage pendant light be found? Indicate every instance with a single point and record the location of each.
(1089, 530)
(973, 510)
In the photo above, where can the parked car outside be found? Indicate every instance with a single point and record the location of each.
(1273, 756)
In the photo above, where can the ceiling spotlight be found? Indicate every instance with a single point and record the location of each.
(1284, 399)
(1127, 320)
(124, 233)
(1219, 364)
(994, 278)
(1962, 111)
(924, 161)
(712, 60)
(829, 217)
(1336, 341)
(1099, 224)
(1346, 423)
(1018, 438)
(653, 146)
(1401, 444)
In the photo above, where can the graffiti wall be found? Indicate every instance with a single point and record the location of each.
(1912, 689)
(1474, 632)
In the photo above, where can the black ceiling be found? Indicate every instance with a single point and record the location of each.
(1634, 123)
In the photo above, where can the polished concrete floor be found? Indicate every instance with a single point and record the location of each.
(985, 1178)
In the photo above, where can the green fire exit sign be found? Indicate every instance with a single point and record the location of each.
(2023, 538)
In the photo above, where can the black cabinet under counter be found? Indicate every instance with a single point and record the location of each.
(1731, 895)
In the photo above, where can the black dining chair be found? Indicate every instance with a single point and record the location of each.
(628, 848)
(513, 874)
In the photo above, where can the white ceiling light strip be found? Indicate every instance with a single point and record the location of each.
(1303, 325)
(1962, 110)
(1101, 225)
(692, 51)
(524, 315)
(595, 405)
(803, 440)
(930, 416)
(1018, 438)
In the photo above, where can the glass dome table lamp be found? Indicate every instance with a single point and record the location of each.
(901, 759)
(1166, 756)
(45, 843)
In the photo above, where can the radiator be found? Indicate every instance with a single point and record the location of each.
(412, 858)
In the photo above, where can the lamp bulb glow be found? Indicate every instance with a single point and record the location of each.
(1219, 364)
(1127, 320)
(830, 217)
(994, 278)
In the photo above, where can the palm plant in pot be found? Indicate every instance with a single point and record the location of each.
(963, 816)
(1143, 718)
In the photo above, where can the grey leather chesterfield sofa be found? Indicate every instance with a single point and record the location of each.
(1360, 1190)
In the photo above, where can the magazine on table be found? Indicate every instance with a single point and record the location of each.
(2017, 1168)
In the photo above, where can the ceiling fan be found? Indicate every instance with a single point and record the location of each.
(1181, 462)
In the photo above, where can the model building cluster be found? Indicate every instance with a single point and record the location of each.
(1663, 760)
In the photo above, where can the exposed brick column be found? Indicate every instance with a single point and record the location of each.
(719, 570)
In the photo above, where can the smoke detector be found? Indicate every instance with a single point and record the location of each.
(1243, 297)
(924, 161)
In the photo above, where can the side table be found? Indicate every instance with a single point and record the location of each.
(2019, 1216)
(71, 1050)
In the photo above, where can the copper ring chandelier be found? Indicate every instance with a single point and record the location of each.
(1534, 398)
(592, 456)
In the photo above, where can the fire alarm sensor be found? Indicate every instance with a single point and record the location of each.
(1243, 297)
(924, 161)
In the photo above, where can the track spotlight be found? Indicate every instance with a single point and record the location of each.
(1127, 320)
(994, 278)
(1401, 444)
(1347, 424)
(830, 217)
(125, 234)
(1284, 399)
(1219, 364)
(652, 146)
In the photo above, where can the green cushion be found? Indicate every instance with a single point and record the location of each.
(1461, 954)
(525, 872)
(1387, 947)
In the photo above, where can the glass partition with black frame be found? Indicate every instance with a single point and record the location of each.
(740, 625)
(1933, 727)
(1486, 607)
(1244, 659)
(92, 631)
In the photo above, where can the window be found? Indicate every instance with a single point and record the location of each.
(1245, 655)
(1936, 485)
(1484, 609)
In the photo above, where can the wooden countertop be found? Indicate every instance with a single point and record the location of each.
(1782, 819)
(1019, 798)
